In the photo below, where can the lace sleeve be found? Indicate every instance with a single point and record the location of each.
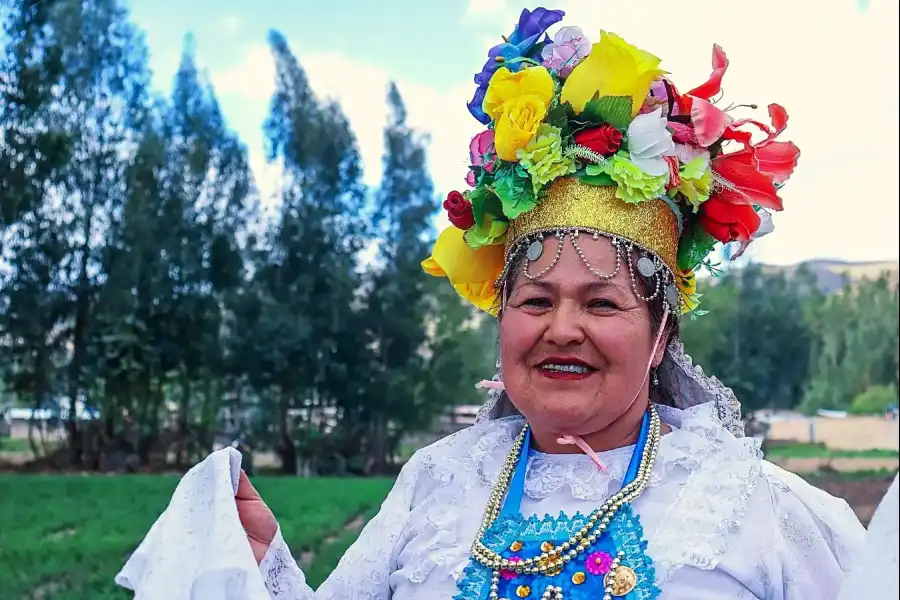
(818, 536)
(283, 578)
(364, 572)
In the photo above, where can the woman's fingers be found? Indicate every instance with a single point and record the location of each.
(256, 518)
(245, 490)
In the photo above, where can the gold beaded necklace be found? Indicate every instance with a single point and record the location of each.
(555, 558)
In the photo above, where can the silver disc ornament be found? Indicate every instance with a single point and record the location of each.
(646, 266)
(535, 249)
(672, 295)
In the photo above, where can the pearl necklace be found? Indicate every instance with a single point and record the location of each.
(553, 560)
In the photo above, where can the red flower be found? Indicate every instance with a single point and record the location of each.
(603, 140)
(714, 84)
(728, 222)
(459, 210)
(744, 183)
(706, 90)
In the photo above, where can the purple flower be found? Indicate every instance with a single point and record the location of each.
(569, 47)
(532, 25)
(476, 102)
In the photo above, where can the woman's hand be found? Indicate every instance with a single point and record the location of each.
(258, 521)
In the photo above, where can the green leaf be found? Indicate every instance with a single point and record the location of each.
(515, 190)
(695, 246)
(484, 204)
(558, 117)
(599, 179)
(615, 110)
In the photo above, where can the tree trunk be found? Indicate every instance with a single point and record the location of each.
(182, 427)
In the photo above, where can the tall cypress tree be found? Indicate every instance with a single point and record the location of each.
(305, 282)
(398, 303)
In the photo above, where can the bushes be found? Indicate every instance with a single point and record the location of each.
(874, 400)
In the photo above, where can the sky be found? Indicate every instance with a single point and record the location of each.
(823, 61)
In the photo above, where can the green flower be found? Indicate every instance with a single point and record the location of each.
(634, 185)
(696, 181)
(490, 226)
(543, 157)
(514, 189)
(487, 233)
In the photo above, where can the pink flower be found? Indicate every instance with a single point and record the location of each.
(481, 154)
(682, 133)
(709, 121)
(507, 574)
(598, 563)
(568, 48)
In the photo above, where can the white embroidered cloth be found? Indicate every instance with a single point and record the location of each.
(875, 576)
(197, 549)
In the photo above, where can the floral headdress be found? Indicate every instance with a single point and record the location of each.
(595, 139)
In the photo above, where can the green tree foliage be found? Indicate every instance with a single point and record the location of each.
(781, 343)
(857, 336)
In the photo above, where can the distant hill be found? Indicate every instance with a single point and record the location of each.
(834, 275)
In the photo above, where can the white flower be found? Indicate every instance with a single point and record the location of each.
(649, 141)
(766, 226)
(685, 153)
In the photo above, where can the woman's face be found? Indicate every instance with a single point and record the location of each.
(575, 348)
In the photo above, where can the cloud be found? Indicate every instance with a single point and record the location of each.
(253, 78)
(232, 24)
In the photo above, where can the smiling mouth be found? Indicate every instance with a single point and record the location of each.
(563, 368)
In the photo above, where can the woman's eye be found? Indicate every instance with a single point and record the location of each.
(603, 304)
(537, 302)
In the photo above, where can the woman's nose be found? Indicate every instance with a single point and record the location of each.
(565, 327)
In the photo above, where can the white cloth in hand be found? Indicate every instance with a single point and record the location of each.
(874, 575)
(197, 549)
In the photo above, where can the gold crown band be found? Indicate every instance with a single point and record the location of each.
(570, 203)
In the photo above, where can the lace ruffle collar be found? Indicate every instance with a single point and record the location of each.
(696, 436)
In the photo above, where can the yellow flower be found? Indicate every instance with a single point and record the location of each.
(471, 272)
(696, 181)
(613, 68)
(517, 103)
(686, 282)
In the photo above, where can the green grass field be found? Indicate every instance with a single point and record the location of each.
(64, 537)
(798, 450)
(14, 445)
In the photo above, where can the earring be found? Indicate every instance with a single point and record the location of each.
(655, 378)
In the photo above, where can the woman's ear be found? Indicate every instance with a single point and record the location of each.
(666, 331)
(661, 349)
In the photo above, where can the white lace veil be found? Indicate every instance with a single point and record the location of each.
(686, 383)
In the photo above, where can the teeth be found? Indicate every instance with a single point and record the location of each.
(566, 368)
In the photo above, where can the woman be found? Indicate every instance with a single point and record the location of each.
(604, 465)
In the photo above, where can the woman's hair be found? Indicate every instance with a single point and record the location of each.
(659, 394)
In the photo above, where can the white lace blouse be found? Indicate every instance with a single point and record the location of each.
(720, 522)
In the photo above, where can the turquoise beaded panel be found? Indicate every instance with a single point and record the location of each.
(581, 578)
